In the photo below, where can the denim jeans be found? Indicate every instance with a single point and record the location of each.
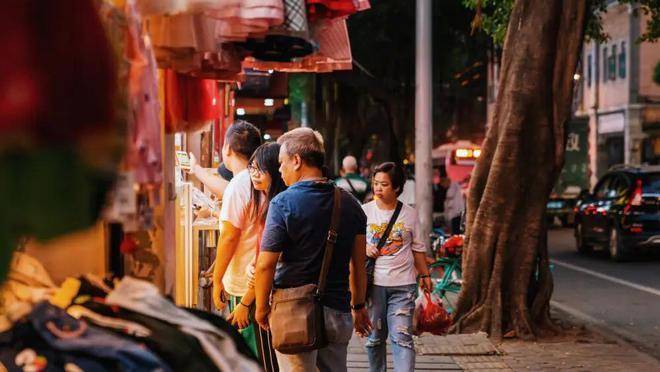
(391, 311)
(332, 358)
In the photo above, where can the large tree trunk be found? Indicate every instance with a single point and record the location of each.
(507, 283)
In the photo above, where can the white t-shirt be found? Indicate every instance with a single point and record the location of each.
(237, 210)
(454, 202)
(396, 265)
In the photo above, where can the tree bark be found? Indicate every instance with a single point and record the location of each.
(507, 283)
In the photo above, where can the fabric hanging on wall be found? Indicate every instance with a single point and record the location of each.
(328, 9)
(190, 102)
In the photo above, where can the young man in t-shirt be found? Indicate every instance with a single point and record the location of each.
(239, 234)
(295, 233)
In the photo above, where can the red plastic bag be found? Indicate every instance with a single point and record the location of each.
(430, 316)
(452, 247)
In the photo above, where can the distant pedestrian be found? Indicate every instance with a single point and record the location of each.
(351, 180)
(454, 204)
(396, 243)
(293, 246)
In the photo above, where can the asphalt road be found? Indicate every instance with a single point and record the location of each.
(623, 298)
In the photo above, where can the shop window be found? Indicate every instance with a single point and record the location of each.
(622, 61)
(605, 64)
(589, 70)
(611, 64)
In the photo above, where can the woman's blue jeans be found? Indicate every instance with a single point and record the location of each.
(391, 311)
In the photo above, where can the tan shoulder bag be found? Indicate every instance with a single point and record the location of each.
(296, 317)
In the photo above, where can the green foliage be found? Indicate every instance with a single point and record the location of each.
(492, 16)
(656, 73)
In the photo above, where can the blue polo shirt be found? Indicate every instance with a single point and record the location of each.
(297, 226)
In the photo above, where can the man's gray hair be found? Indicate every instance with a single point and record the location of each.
(306, 143)
(350, 164)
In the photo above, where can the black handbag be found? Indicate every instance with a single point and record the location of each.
(371, 262)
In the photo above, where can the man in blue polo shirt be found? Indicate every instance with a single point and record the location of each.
(292, 249)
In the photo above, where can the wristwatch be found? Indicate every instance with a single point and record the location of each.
(357, 306)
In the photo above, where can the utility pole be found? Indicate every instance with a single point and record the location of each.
(423, 117)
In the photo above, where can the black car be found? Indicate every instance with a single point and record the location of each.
(622, 214)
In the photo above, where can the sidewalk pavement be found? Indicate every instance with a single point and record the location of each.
(577, 349)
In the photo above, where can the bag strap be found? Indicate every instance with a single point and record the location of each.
(390, 225)
(330, 242)
(350, 184)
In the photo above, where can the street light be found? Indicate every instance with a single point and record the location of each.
(240, 111)
(268, 102)
(576, 77)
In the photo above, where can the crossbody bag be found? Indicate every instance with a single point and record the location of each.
(296, 318)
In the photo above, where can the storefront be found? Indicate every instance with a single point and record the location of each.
(183, 71)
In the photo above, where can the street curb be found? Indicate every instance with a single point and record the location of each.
(596, 326)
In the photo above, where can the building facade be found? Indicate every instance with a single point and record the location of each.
(617, 94)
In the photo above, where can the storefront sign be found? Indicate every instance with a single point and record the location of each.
(611, 123)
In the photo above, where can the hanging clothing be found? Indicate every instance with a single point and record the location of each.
(190, 102)
(287, 41)
(144, 151)
(319, 9)
(334, 52)
(143, 297)
(160, 7)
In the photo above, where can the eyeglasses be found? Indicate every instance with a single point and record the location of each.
(254, 170)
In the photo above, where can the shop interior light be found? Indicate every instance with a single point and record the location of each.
(240, 111)
(270, 71)
(476, 153)
(268, 102)
(267, 137)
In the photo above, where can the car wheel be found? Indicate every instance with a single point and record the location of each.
(582, 246)
(618, 251)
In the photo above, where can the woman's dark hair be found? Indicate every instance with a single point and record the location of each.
(397, 175)
(265, 158)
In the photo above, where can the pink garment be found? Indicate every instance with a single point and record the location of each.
(144, 150)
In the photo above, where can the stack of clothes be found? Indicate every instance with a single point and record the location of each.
(88, 324)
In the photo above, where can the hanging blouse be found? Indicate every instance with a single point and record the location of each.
(328, 9)
(137, 104)
(190, 102)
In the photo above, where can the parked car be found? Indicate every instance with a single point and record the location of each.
(622, 214)
(562, 206)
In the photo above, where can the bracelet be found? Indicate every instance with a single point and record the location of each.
(424, 276)
(358, 306)
(241, 303)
